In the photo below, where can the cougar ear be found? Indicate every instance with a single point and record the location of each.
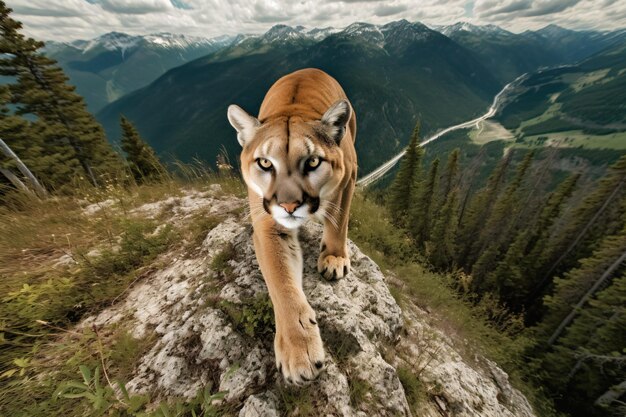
(335, 119)
(244, 124)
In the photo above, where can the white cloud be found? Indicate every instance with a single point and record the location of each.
(390, 9)
(73, 19)
(136, 6)
(519, 15)
(523, 8)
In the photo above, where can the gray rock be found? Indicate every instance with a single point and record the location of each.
(211, 330)
(263, 405)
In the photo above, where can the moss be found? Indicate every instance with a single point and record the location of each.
(254, 317)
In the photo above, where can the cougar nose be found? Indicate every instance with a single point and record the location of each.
(290, 207)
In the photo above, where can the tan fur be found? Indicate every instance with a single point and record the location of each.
(288, 131)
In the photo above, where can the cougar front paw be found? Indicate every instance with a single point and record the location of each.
(333, 267)
(299, 349)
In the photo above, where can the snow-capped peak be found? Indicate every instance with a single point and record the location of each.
(361, 28)
(320, 33)
(367, 31)
(172, 40)
(282, 33)
(468, 27)
(113, 41)
(116, 41)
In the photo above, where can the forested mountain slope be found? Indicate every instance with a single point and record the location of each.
(394, 75)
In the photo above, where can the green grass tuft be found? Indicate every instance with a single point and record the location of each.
(220, 263)
(358, 389)
(413, 388)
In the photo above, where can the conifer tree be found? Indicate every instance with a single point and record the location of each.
(466, 181)
(589, 359)
(496, 231)
(449, 176)
(600, 214)
(515, 275)
(143, 162)
(477, 210)
(421, 212)
(581, 283)
(441, 247)
(51, 165)
(405, 187)
(40, 90)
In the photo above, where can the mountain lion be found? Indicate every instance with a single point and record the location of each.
(299, 162)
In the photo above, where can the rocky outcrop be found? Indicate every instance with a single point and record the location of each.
(210, 316)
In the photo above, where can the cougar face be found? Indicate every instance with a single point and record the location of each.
(294, 165)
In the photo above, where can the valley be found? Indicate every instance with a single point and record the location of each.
(476, 123)
(395, 74)
(573, 106)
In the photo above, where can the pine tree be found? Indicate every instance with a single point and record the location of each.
(405, 187)
(598, 215)
(515, 275)
(497, 229)
(589, 359)
(449, 177)
(421, 213)
(40, 90)
(441, 247)
(52, 167)
(143, 162)
(467, 180)
(581, 283)
(479, 208)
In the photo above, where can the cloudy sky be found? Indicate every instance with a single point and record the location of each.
(85, 19)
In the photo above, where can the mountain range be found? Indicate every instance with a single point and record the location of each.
(394, 74)
(106, 68)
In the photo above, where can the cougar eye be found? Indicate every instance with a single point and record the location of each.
(264, 164)
(313, 162)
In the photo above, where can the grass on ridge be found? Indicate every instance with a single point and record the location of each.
(470, 326)
(58, 264)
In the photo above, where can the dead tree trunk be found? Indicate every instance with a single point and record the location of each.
(607, 273)
(23, 169)
(611, 395)
(17, 183)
